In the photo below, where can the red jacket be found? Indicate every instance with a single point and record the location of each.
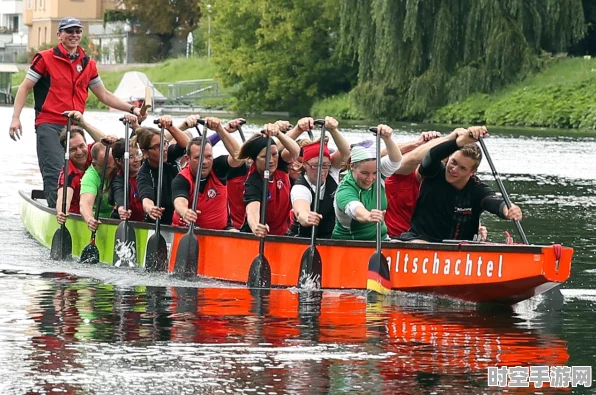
(212, 203)
(63, 85)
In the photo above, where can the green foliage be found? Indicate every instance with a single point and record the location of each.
(424, 54)
(340, 106)
(116, 15)
(165, 19)
(560, 97)
(281, 53)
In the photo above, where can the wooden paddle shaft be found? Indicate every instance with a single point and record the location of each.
(378, 189)
(320, 122)
(126, 163)
(66, 159)
(195, 197)
(520, 230)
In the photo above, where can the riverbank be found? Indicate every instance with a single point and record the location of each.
(561, 96)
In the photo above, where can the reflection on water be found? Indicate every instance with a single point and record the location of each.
(79, 334)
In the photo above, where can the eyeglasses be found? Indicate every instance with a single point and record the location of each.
(156, 146)
(326, 166)
(72, 31)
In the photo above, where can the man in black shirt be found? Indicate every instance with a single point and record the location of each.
(451, 196)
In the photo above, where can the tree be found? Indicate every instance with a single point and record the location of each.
(166, 19)
(415, 55)
(280, 53)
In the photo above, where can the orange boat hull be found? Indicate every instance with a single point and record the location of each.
(471, 272)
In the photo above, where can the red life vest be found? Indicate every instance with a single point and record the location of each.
(235, 187)
(402, 194)
(134, 201)
(279, 204)
(74, 181)
(212, 203)
(63, 86)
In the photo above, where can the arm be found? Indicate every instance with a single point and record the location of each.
(339, 157)
(348, 201)
(252, 215)
(181, 138)
(229, 142)
(16, 130)
(301, 199)
(60, 216)
(391, 162)
(146, 192)
(180, 195)
(304, 124)
(110, 100)
(292, 150)
(86, 206)
(95, 133)
(411, 160)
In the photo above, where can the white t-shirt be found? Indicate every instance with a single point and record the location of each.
(301, 192)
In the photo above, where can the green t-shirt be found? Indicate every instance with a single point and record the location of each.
(346, 227)
(90, 184)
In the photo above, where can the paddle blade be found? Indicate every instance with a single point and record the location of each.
(311, 269)
(90, 254)
(125, 246)
(378, 274)
(157, 254)
(259, 275)
(61, 245)
(187, 257)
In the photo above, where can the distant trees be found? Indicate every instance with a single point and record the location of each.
(415, 55)
(281, 53)
(165, 19)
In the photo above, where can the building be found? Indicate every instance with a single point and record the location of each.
(42, 17)
(13, 33)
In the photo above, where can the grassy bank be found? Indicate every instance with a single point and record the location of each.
(561, 96)
(172, 70)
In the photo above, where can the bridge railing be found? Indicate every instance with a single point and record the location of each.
(190, 91)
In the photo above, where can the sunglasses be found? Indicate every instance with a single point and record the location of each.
(73, 31)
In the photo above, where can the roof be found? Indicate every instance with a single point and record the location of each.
(8, 68)
(132, 87)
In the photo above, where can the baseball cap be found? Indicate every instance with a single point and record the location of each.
(68, 22)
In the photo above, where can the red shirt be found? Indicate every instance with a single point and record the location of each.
(63, 86)
(212, 203)
(74, 182)
(402, 194)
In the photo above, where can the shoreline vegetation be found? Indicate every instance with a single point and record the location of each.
(560, 97)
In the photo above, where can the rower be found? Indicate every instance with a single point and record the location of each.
(212, 204)
(451, 196)
(90, 184)
(278, 208)
(135, 206)
(303, 192)
(79, 162)
(355, 201)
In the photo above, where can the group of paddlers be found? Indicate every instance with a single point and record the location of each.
(429, 188)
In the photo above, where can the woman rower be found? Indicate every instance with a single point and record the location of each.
(303, 192)
(149, 141)
(355, 201)
(135, 206)
(278, 206)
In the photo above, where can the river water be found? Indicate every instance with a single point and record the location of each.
(72, 329)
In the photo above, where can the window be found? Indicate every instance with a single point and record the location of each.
(45, 35)
(29, 4)
(15, 24)
(40, 5)
(38, 36)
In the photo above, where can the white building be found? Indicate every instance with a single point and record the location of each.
(13, 33)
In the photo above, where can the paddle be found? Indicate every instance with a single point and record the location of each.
(90, 253)
(240, 131)
(157, 249)
(62, 240)
(378, 269)
(148, 102)
(125, 239)
(259, 274)
(520, 230)
(311, 267)
(187, 255)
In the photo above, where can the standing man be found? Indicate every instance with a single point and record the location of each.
(60, 78)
